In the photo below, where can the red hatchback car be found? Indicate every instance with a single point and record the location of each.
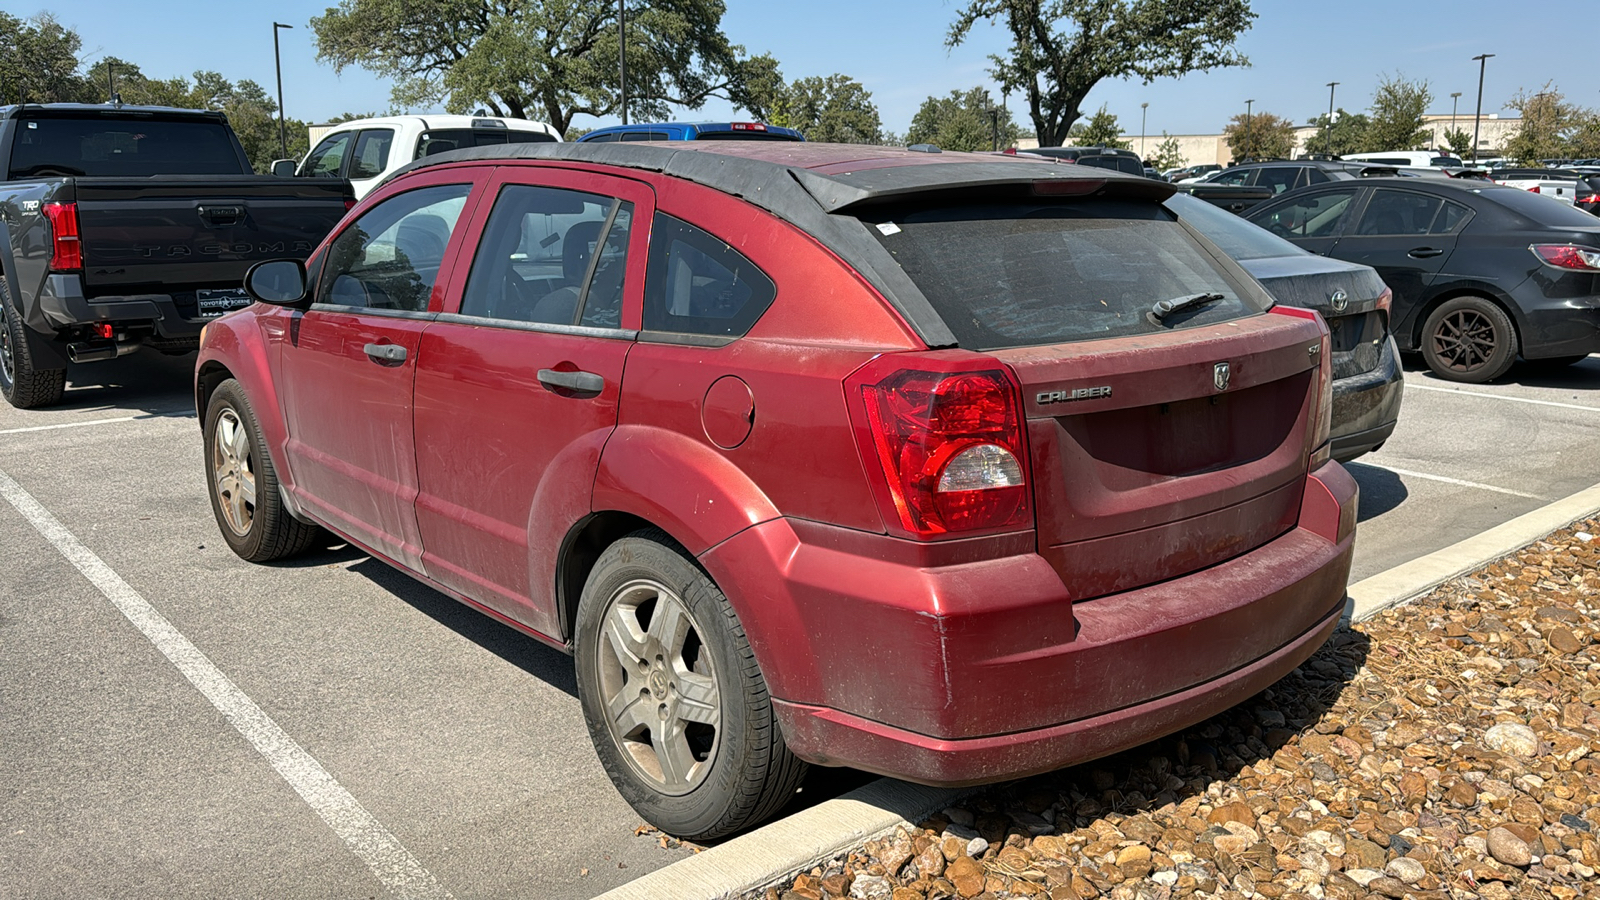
(949, 467)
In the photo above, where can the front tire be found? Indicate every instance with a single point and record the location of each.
(23, 384)
(244, 488)
(1470, 340)
(676, 706)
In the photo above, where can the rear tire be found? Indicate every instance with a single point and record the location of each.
(23, 384)
(243, 485)
(1470, 340)
(676, 706)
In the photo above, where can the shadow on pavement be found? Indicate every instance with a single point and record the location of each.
(1583, 375)
(1381, 490)
(143, 381)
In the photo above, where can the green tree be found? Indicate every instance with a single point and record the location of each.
(1061, 49)
(1348, 135)
(1459, 142)
(1101, 130)
(835, 109)
(1398, 106)
(1264, 136)
(551, 59)
(964, 120)
(1547, 118)
(1168, 155)
(1583, 138)
(39, 62)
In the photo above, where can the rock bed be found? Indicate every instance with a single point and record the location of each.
(1446, 749)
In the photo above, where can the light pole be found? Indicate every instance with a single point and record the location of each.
(622, 53)
(1455, 100)
(277, 62)
(1144, 112)
(1329, 129)
(1245, 144)
(1483, 62)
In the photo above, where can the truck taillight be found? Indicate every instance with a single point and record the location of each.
(946, 442)
(1322, 425)
(66, 250)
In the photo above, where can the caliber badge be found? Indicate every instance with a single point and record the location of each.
(1221, 374)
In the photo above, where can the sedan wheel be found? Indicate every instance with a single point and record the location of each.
(233, 476)
(244, 485)
(1469, 339)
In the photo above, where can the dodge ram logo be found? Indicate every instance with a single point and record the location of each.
(1221, 374)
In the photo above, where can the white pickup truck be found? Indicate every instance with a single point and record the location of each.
(365, 150)
(1557, 184)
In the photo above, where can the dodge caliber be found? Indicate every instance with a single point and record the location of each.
(943, 466)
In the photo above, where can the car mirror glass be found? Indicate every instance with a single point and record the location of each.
(283, 168)
(281, 282)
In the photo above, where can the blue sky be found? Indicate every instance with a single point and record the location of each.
(896, 48)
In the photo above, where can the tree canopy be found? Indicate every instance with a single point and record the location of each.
(835, 108)
(544, 59)
(1060, 49)
(1102, 130)
(39, 62)
(1263, 136)
(964, 120)
(1398, 106)
(1168, 154)
(1348, 134)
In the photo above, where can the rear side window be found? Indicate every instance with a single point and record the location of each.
(1279, 178)
(103, 146)
(1026, 274)
(697, 284)
(442, 140)
(372, 153)
(1397, 212)
(1449, 217)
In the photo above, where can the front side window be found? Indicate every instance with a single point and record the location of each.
(551, 256)
(1236, 177)
(324, 161)
(1391, 212)
(1319, 215)
(698, 284)
(372, 153)
(390, 257)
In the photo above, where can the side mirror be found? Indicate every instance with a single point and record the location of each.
(280, 282)
(283, 168)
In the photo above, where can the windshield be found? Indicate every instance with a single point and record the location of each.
(1541, 210)
(1032, 273)
(130, 146)
(444, 139)
(1237, 238)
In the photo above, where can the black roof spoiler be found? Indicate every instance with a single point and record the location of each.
(1377, 171)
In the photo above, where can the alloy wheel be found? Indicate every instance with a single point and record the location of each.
(661, 693)
(1465, 340)
(8, 363)
(233, 472)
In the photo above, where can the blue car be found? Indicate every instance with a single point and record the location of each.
(693, 131)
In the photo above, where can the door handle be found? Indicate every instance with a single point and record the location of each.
(1424, 252)
(221, 215)
(577, 382)
(385, 353)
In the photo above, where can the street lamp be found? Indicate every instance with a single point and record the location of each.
(1246, 142)
(1455, 100)
(1329, 129)
(622, 53)
(1483, 62)
(1144, 111)
(277, 61)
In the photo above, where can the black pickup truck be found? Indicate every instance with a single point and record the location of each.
(128, 226)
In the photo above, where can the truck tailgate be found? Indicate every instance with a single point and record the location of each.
(176, 233)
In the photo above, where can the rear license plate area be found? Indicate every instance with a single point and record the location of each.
(213, 302)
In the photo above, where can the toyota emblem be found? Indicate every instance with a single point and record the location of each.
(1221, 374)
(1340, 301)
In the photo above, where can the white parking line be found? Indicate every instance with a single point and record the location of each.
(392, 863)
(1410, 386)
(1456, 481)
(96, 422)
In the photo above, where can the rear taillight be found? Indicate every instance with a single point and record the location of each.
(947, 441)
(349, 204)
(1322, 425)
(66, 250)
(1385, 300)
(1567, 256)
(1535, 190)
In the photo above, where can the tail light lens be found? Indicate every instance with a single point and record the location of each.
(1567, 256)
(66, 250)
(1535, 190)
(1322, 424)
(943, 444)
(349, 204)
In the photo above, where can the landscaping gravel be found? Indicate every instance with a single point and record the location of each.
(1445, 749)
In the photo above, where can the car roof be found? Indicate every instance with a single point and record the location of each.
(106, 109)
(690, 127)
(445, 121)
(805, 184)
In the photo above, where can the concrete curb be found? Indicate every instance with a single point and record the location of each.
(776, 852)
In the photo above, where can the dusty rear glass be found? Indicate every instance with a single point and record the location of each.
(441, 140)
(1031, 273)
(131, 147)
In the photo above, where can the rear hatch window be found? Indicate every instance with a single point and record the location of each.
(1032, 273)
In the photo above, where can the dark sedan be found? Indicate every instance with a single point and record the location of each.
(1481, 273)
(1368, 380)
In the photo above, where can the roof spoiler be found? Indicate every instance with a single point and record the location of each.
(871, 187)
(1377, 171)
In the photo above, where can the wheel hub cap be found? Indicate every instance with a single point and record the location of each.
(1465, 341)
(8, 366)
(233, 475)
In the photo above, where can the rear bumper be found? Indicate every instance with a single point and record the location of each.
(916, 664)
(1367, 406)
(61, 304)
(1560, 326)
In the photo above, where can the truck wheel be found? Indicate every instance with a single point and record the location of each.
(23, 385)
(1469, 339)
(243, 484)
(676, 706)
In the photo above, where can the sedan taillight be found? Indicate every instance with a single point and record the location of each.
(1322, 424)
(1568, 256)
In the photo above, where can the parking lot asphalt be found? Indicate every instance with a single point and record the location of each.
(456, 745)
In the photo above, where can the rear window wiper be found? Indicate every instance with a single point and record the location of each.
(1164, 308)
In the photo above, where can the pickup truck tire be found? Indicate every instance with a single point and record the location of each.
(675, 703)
(1470, 340)
(24, 385)
(243, 484)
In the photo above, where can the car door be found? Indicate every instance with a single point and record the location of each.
(1314, 220)
(518, 384)
(326, 160)
(349, 359)
(1408, 237)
